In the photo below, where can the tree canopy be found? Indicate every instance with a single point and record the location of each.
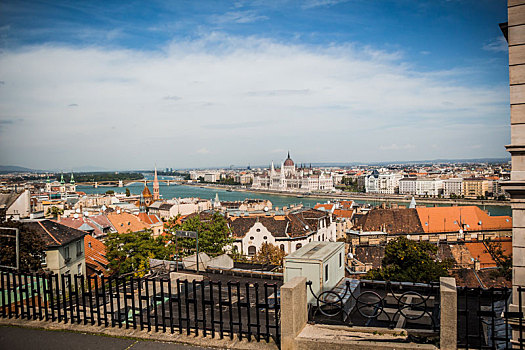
(214, 235)
(32, 247)
(269, 254)
(410, 261)
(130, 252)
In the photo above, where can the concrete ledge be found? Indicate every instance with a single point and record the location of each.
(201, 341)
(339, 337)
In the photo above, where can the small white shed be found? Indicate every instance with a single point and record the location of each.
(322, 263)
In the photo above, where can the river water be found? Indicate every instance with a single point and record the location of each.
(182, 191)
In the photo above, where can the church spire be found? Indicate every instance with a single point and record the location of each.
(156, 194)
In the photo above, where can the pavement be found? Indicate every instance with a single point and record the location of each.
(15, 338)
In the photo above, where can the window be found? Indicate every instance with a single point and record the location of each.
(79, 269)
(282, 247)
(258, 230)
(265, 237)
(340, 259)
(251, 238)
(66, 254)
(298, 245)
(326, 273)
(252, 250)
(79, 248)
(89, 244)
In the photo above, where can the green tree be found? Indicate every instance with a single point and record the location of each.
(269, 254)
(110, 192)
(503, 261)
(214, 234)
(32, 247)
(410, 261)
(128, 193)
(130, 252)
(54, 211)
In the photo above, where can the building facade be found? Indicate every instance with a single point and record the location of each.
(292, 179)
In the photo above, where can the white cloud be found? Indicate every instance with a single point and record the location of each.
(308, 4)
(247, 16)
(234, 100)
(497, 45)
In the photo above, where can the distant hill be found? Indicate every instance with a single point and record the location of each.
(414, 162)
(15, 169)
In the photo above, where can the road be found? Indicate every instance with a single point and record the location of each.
(16, 338)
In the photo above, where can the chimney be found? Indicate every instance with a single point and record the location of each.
(477, 265)
(58, 217)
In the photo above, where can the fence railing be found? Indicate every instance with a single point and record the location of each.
(485, 318)
(208, 308)
(378, 304)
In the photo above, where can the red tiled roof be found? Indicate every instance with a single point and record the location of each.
(449, 219)
(341, 213)
(125, 222)
(95, 254)
(326, 206)
(148, 219)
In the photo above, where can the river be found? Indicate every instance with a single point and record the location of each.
(183, 191)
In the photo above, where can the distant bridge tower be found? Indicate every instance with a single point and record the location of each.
(95, 185)
(120, 183)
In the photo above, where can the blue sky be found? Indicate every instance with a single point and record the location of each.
(210, 83)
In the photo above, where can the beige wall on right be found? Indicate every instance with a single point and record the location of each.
(516, 186)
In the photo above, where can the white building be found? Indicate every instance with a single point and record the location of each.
(288, 232)
(407, 185)
(453, 186)
(421, 186)
(382, 183)
(289, 178)
(429, 187)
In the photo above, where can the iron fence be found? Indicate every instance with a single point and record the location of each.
(486, 320)
(378, 304)
(208, 308)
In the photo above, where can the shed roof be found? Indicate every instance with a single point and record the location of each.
(319, 251)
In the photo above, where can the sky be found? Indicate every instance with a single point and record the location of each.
(136, 84)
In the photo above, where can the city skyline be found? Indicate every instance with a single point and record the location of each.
(216, 83)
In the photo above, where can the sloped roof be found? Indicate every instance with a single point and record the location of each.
(241, 225)
(101, 219)
(54, 233)
(342, 213)
(95, 254)
(81, 223)
(149, 219)
(392, 221)
(449, 219)
(294, 224)
(7, 199)
(325, 206)
(479, 251)
(125, 222)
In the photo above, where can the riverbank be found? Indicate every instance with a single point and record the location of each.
(361, 196)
